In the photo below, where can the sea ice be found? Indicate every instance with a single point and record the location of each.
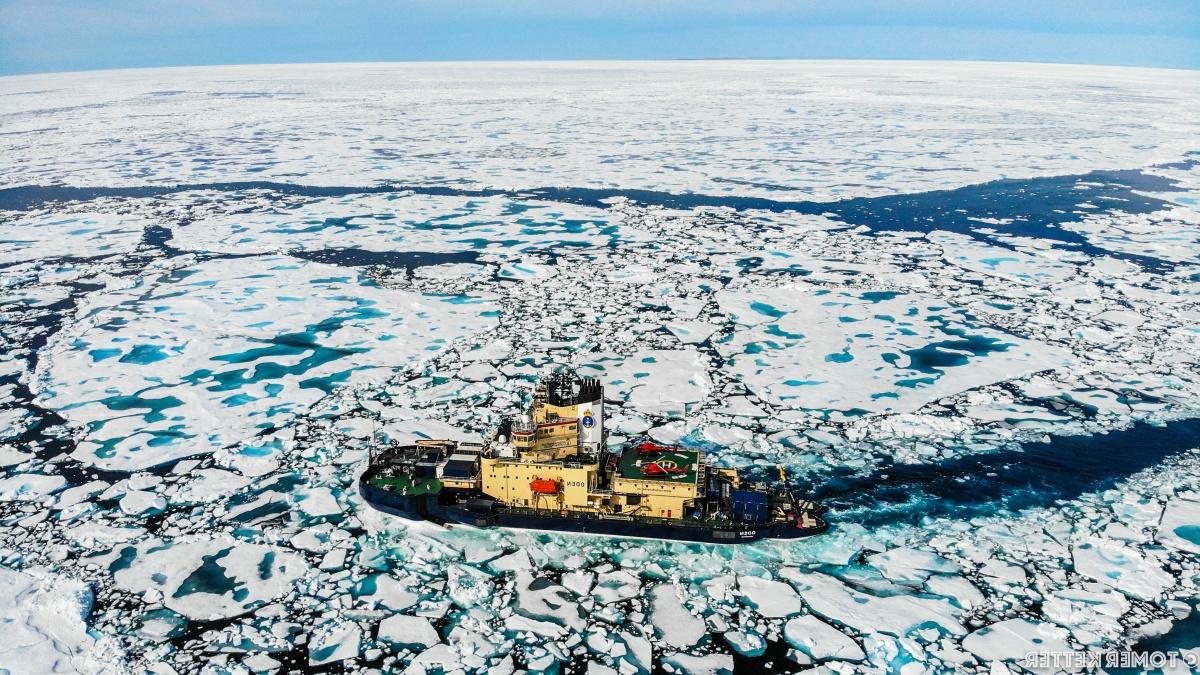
(75, 235)
(1121, 567)
(708, 664)
(1013, 639)
(212, 578)
(1180, 525)
(950, 124)
(894, 614)
(30, 486)
(665, 382)
(256, 340)
(803, 346)
(280, 334)
(820, 641)
(772, 599)
(334, 641)
(45, 630)
(677, 626)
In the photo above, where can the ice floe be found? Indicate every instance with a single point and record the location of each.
(134, 373)
(213, 578)
(73, 235)
(873, 351)
(933, 124)
(820, 641)
(191, 378)
(45, 627)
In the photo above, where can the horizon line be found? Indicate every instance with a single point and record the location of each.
(764, 59)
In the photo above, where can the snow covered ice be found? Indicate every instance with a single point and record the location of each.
(975, 342)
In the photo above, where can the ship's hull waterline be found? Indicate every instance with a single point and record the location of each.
(429, 507)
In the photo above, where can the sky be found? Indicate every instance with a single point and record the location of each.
(62, 35)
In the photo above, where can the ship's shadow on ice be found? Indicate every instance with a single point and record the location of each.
(1037, 475)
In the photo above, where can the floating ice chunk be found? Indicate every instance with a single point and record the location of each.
(616, 586)
(479, 372)
(453, 271)
(468, 586)
(960, 591)
(45, 629)
(1041, 269)
(317, 502)
(206, 485)
(278, 335)
(517, 561)
(806, 347)
(746, 644)
(820, 641)
(741, 406)
(910, 565)
(597, 668)
(14, 421)
(895, 614)
(1180, 525)
(212, 578)
(677, 626)
(1013, 639)
(355, 427)
(1002, 573)
(79, 493)
(10, 456)
(639, 651)
(142, 502)
(692, 332)
(161, 624)
(23, 487)
(516, 623)
(408, 632)
(333, 642)
(408, 432)
(98, 536)
(477, 643)
(76, 235)
(579, 582)
(333, 560)
(772, 599)
(1091, 616)
(1121, 567)
(660, 381)
(727, 435)
(542, 600)
(708, 664)
(686, 307)
(525, 271)
(440, 658)
(393, 593)
(1020, 416)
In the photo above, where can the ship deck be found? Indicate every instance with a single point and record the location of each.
(631, 464)
(408, 485)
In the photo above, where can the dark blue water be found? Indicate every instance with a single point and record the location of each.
(981, 485)
(1037, 206)
(357, 257)
(1184, 634)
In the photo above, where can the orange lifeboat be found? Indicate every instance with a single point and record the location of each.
(543, 486)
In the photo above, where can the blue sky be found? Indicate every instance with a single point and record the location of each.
(55, 35)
